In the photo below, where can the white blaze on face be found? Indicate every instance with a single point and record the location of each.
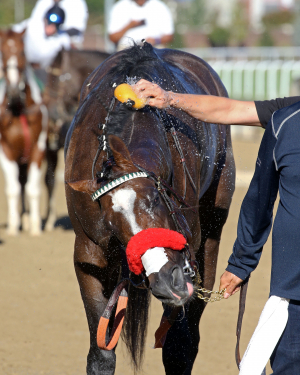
(12, 45)
(12, 71)
(123, 201)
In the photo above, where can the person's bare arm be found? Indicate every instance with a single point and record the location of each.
(165, 39)
(231, 283)
(115, 37)
(207, 108)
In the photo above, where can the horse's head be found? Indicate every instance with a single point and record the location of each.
(130, 204)
(13, 62)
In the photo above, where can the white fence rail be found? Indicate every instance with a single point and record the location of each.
(255, 73)
(258, 80)
(246, 53)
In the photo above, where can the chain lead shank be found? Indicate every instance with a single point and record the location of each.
(199, 291)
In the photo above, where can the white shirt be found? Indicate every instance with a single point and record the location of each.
(42, 49)
(76, 13)
(157, 16)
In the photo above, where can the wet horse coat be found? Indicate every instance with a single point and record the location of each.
(23, 130)
(143, 138)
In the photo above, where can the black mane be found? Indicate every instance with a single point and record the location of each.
(138, 62)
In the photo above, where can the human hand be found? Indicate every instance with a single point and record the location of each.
(154, 41)
(155, 95)
(132, 24)
(151, 41)
(231, 283)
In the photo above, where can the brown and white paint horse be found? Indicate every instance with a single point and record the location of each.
(23, 131)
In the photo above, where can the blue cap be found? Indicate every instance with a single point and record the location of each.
(55, 15)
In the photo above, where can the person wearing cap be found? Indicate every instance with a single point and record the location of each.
(43, 40)
(277, 171)
(134, 20)
(45, 37)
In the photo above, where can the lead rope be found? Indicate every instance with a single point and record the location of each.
(242, 305)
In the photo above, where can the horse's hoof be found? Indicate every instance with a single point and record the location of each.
(25, 222)
(12, 232)
(35, 228)
(35, 232)
(49, 227)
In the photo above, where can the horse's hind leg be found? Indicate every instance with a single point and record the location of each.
(52, 158)
(33, 192)
(24, 213)
(91, 271)
(13, 190)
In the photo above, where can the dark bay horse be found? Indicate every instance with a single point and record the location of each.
(65, 78)
(23, 130)
(108, 141)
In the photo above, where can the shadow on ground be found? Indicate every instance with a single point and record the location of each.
(64, 222)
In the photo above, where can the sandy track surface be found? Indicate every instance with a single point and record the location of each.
(43, 328)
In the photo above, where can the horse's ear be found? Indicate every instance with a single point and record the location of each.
(120, 152)
(85, 186)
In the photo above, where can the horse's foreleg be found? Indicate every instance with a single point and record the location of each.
(181, 345)
(33, 192)
(13, 192)
(91, 274)
(177, 348)
(52, 158)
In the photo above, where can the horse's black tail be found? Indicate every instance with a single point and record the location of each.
(135, 325)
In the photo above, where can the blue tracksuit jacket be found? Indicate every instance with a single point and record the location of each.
(277, 169)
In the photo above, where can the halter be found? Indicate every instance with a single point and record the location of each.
(111, 185)
(162, 186)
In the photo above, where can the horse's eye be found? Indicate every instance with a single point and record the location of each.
(156, 200)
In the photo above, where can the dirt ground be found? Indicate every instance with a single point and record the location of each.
(43, 328)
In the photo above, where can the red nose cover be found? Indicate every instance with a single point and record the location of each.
(147, 239)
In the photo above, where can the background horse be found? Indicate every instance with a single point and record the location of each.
(193, 158)
(23, 129)
(65, 78)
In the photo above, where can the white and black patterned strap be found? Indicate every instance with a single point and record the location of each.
(111, 185)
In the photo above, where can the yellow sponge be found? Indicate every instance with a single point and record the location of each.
(124, 92)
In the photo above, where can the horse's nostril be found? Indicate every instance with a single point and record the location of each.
(177, 278)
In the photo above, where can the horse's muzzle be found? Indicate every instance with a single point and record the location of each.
(170, 285)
